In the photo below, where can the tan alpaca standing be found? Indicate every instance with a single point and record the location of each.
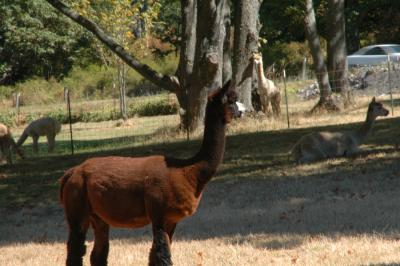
(268, 91)
(322, 145)
(6, 144)
(45, 126)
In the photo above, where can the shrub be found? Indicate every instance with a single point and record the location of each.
(8, 119)
(40, 91)
(153, 108)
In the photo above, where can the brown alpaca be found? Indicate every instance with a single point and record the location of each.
(321, 145)
(6, 144)
(268, 91)
(133, 192)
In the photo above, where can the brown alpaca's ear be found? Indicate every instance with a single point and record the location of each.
(373, 99)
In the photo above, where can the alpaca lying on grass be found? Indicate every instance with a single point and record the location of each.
(45, 126)
(6, 144)
(321, 145)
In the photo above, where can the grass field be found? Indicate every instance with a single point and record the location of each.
(260, 209)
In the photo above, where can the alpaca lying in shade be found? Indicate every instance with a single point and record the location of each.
(321, 145)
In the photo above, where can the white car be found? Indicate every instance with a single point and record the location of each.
(375, 55)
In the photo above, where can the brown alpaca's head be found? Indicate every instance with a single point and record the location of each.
(220, 104)
(376, 109)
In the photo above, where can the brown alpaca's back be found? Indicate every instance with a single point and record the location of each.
(127, 190)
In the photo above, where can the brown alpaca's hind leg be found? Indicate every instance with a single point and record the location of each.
(77, 215)
(170, 231)
(160, 253)
(76, 248)
(99, 254)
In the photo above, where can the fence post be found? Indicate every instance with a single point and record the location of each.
(304, 68)
(17, 103)
(286, 98)
(390, 84)
(66, 91)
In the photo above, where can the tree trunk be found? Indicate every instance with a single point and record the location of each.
(186, 59)
(247, 28)
(337, 64)
(228, 43)
(201, 57)
(325, 101)
(208, 58)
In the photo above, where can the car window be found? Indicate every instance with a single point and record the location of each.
(375, 51)
(395, 49)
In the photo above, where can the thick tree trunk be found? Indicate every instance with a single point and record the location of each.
(186, 59)
(207, 67)
(337, 65)
(325, 101)
(247, 28)
(201, 64)
(228, 43)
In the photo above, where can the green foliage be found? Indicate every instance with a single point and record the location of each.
(40, 91)
(153, 108)
(8, 118)
(37, 41)
(287, 55)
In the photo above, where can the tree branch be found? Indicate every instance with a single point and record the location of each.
(167, 82)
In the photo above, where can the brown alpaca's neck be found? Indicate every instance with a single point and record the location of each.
(365, 128)
(200, 168)
(212, 150)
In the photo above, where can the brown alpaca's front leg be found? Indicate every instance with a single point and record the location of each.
(160, 253)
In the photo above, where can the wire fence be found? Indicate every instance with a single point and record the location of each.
(95, 124)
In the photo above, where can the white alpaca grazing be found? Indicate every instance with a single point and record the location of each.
(6, 144)
(268, 91)
(45, 126)
(321, 145)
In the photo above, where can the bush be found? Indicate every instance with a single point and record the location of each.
(40, 91)
(153, 108)
(8, 119)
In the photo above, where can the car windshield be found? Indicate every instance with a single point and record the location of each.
(375, 51)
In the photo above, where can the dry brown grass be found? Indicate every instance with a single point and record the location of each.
(261, 209)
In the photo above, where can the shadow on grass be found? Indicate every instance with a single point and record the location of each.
(256, 191)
